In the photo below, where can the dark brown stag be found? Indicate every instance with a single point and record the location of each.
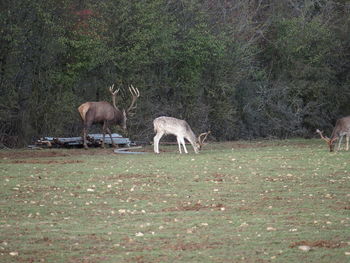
(341, 129)
(104, 113)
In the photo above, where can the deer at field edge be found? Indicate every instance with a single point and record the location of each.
(341, 129)
(179, 128)
(106, 114)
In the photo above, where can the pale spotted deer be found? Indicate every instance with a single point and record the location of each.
(341, 129)
(179, 128)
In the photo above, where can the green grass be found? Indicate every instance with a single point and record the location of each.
(233, 202)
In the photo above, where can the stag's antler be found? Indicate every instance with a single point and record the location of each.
(114, 95)
(113, 92)
(135, 94)
(323, 137)
(200, 140)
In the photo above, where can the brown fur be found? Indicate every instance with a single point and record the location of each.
(105, 113)
(101, 112)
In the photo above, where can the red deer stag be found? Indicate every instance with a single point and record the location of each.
(106, 114)
(341, 129)
(179, 128)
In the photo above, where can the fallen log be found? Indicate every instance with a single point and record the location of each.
(93, 140)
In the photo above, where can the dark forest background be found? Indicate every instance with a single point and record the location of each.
(243, 69)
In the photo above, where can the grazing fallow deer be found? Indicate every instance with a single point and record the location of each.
(179, 128)
(106, 114)
(341, 129)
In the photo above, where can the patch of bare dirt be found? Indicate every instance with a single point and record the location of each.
(193, 207)
(48, 153)
(30, 154)
(319, 243)
(33, 154)
(129, 176)
(182, 246)
(218, 177)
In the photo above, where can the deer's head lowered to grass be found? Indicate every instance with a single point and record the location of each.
(179, 128)
(341, 129)
(106, 114)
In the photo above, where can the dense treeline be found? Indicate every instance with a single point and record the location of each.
(242, 69)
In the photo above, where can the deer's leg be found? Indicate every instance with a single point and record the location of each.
(347, 142)
(184, 144)
(85, 130)
(110, 135)
(179, 144)
(156, 141)
(104, 133)
(339, 143)
(84, 137)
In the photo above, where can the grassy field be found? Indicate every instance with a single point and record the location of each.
(234, 202)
